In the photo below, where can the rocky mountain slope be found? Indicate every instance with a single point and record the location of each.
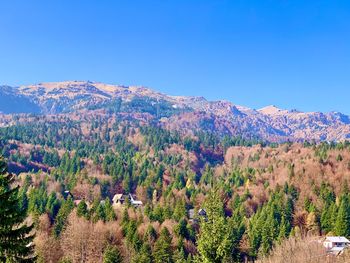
(175, 112)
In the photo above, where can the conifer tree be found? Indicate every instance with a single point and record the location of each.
(283, 231)
(181, 229)
(266, 237)
(236, 229)
(15, 236)
(150, 235)
(144, 256)
(342, 224)
(179, 256)
(62, 216)
(162, 248)
(326, 218)
(213, 240)
(112, 255)
(180, 210)
(109, 211)
(100, 213)
(82, 209)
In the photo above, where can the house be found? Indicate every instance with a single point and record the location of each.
(194, 218)
(77, 202)
(191, 215)
(134, 202)
(336, 245)
(118, 199)
(202, 212)
(67, 194)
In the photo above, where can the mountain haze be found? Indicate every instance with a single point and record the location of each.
(174, 112)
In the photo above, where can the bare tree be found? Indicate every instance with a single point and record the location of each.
(296, 250)
(83, 241)
(47, 246)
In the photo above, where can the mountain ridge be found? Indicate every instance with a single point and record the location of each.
(176, 112)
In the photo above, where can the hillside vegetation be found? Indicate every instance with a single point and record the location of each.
(256, 195)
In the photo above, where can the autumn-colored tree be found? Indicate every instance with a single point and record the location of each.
(83, 241)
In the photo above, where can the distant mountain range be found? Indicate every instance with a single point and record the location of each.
(175, 112)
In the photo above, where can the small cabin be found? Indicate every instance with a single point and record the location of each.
(202, 212)
(66, 194)
(118, 199)
(194, 218)
(336, 245)
(191, 215)
(134, 202)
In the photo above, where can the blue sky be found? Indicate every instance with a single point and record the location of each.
(294, 54)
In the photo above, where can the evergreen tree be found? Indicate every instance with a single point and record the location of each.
(82, 209)
(283, 231)
(109, 211)
(180, 210)
(52, 205)
(326, 218)
(144, 256)
(15, 238)
(62, 216)
(100, 213)
(266, 237)
(181, 229)
(131, 235)
(22, 198)
(213, 240)
(125, 218)
(112, 255)
(179, 256)
(342, 225)
(150, 235)
(162, 248)
(236, 229)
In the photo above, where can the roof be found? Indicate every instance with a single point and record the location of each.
(337, 239)
(117, 197)
(202, 212)
(77, 202)
(131, 198)
(134, 202)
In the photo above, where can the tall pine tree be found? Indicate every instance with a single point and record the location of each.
(15, 236)
(162, 248)
(342, 224)
(214, 238)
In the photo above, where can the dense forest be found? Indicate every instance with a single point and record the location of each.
(203, 198)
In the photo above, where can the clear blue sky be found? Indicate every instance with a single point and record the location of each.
(295, 54)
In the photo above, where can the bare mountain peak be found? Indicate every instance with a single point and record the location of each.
(272, 110)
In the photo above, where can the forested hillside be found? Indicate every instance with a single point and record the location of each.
(204, 197)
